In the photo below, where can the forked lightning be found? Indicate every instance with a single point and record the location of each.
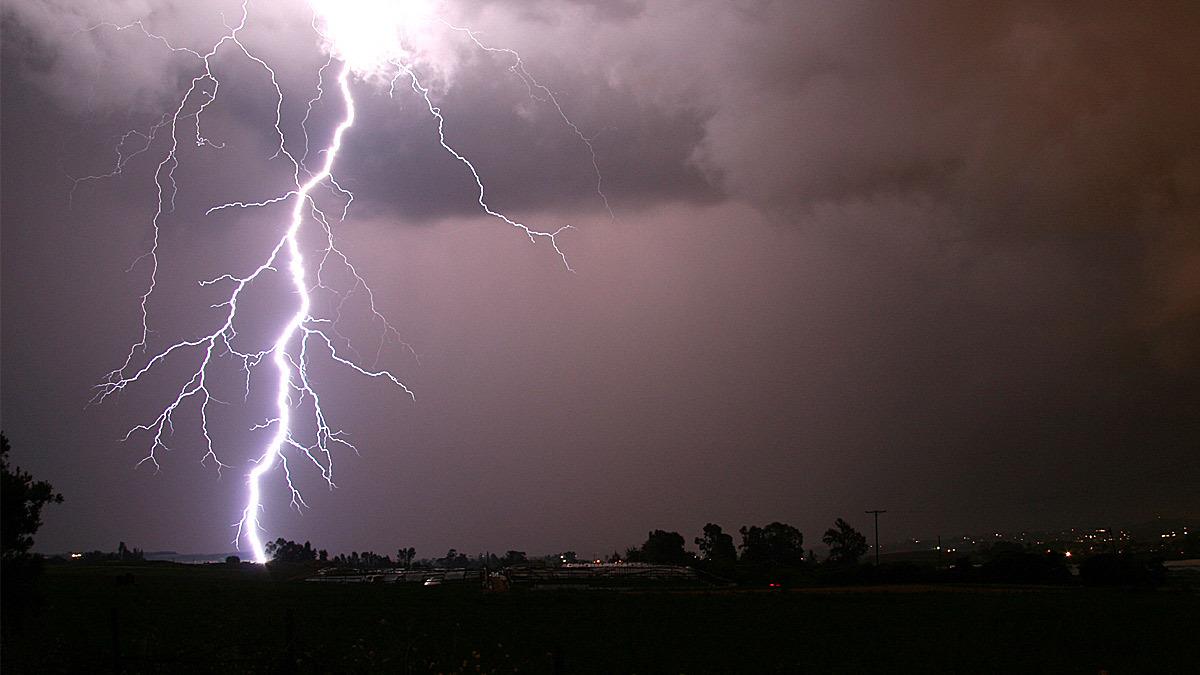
(366, 41)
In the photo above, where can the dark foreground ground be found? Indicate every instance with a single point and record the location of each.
(169, 618)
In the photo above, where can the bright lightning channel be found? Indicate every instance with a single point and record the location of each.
(279, 350)
(351, 32)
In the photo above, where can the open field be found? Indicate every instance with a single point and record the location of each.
(173, 618)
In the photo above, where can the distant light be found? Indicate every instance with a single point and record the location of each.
(76, 555)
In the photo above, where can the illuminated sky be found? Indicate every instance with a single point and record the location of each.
(933, 258)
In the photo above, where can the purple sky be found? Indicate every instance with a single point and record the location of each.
(937, 258)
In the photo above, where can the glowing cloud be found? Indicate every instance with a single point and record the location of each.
(368, 37)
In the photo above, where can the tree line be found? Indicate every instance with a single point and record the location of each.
(774, 554)
(775, 551)
(285, 550)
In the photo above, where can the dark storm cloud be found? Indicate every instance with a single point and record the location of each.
(933, 257)
(529, 159)
(1018, 116)
(545, 12)
(529, 156)
(1011, 126)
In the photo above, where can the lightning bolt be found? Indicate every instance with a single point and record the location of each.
(304, 334)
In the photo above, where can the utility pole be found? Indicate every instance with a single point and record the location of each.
(876, 512)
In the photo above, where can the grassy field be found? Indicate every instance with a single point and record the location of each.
(171, 618)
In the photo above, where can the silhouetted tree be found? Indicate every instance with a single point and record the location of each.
(846, 544)
(405, 556)
(454, 559)
(21, 502)
(126, 554)
(373, 561)
(665, 548)
(717, 549)
(285, 550)
(513, 558)
(776, 544)
(366, 560)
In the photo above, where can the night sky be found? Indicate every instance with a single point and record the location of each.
(937, 258)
